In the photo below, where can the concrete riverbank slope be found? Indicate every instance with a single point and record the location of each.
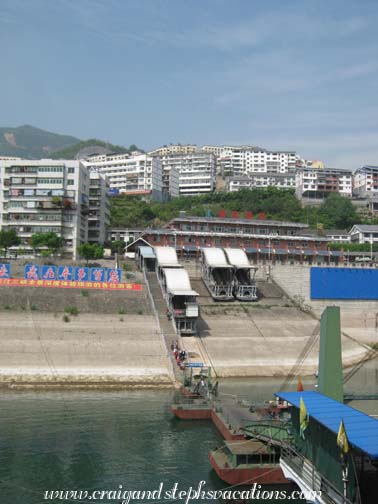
(90, 350)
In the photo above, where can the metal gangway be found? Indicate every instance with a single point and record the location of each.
(217, 274)
(244, 284)
(180, 298)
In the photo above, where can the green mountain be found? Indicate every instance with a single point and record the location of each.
(32, 143)
(89, 148)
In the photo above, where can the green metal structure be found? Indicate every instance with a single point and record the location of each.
(330, 379)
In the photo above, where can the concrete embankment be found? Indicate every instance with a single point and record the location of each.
(40, 349)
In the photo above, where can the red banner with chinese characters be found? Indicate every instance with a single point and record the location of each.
(65, 284)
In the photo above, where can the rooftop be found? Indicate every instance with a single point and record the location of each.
(361, 429)
(366, 228)
(230, 220)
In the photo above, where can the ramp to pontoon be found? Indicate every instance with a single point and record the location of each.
(244, 285)
(217, 274)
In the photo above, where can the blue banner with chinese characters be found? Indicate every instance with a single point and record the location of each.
(81, 274)
(65, 273)
(48, 273)
(97, 274)
(114, 275)
(4, 270)
(31, 272)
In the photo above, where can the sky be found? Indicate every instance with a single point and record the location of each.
(280, 74)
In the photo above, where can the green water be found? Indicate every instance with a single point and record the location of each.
(100, 440)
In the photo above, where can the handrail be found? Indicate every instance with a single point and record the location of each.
(307, 471)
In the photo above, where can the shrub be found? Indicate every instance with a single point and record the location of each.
(66, 318)
(140, 312)
(121, 311)
(7, 307)
(72, 310)
(33, 307)
(85, 293)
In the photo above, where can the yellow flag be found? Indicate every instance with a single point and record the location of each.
(342, 439)
(303, 417)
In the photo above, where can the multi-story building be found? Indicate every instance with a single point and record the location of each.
(365, 182)
(134, 175)
(99, 208)
(45, 196)
(261, 239)
(173, 149)
(279, 180)
(171, 183)
(364, 233)
(243, 160)
(318, 183)
(197, 171)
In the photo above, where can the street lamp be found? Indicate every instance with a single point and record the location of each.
(371, 247)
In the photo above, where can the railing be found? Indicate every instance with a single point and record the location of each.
(307, 472)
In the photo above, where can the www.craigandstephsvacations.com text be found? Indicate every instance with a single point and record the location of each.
(175, 493)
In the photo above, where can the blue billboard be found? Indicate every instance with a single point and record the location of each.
(65, 273)
(98, 275)
(48, 273)
(114, 275)
(4, 270)
(81, 274)
(31, 271)
(344, 283)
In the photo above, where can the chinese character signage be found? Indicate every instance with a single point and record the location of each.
(48, 273)
(98, 275)
(114, 275)
(63, 284)
(31, 272)
(81, 274)
(4, 270)
(66, 273)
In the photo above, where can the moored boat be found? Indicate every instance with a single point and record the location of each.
(247, 461)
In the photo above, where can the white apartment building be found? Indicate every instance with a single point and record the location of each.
(366, 181)
(171, 183)
(278, 180)
(364, 233)
(318, 183)
(99, 208)
(243, 160)
(174, 149)
(133, 175)
(45, 196)
(197, 171)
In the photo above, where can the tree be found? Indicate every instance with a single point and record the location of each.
(8, 238)
(51, 241)
(338, 212)
(118, 246)
(91, 251)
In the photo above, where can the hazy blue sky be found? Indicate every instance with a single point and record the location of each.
(282, 74)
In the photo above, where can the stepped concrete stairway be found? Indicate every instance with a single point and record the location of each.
(166, 326)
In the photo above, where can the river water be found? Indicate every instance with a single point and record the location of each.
(101, 440)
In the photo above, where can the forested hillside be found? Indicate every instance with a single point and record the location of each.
(335, 212)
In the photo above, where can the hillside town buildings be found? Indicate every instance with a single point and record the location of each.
(99, 208)
(140, 174)
(366, 181)
(196, 171)
(318, 182)
(45, 196)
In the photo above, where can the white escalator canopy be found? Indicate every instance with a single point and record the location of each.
(166, 257)
(178, 283)
(215, 258)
